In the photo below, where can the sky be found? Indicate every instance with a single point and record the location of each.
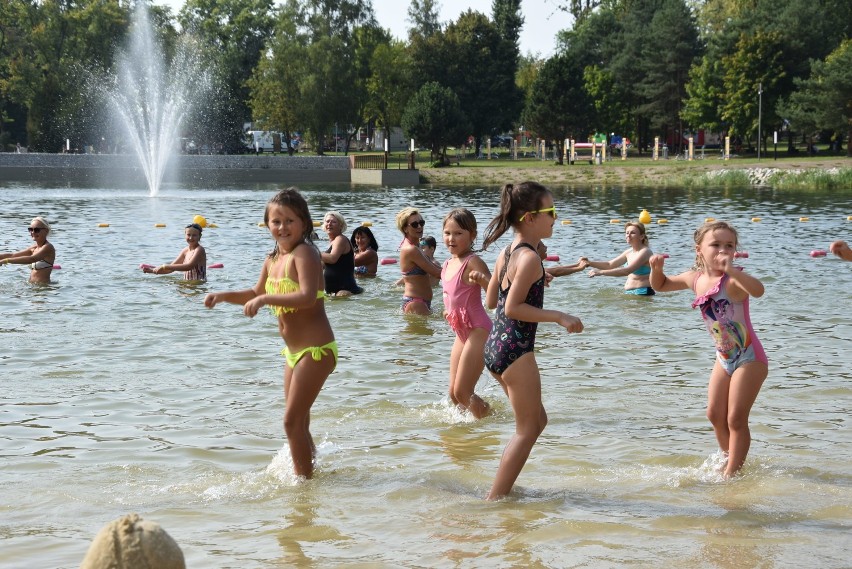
(542, 19)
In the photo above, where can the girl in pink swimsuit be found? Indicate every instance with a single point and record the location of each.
(464, 276)
(722, 292)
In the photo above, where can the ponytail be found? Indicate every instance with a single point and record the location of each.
(515, 200)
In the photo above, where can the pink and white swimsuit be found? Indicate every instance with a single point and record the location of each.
(730, 327)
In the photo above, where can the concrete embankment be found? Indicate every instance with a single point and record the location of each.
(125, 170)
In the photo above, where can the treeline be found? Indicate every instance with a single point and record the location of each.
(639, 68)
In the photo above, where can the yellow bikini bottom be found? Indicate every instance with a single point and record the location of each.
(317, 352)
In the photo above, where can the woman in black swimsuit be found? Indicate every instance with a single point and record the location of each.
(339, 259)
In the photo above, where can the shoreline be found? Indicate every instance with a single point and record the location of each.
(635, 172)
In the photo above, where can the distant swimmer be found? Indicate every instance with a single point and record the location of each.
(192, 260)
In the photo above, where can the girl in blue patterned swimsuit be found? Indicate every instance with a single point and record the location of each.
(516, 289)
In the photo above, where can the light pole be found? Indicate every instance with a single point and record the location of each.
(759, 116)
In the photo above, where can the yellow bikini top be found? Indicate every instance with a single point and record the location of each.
(285, 285)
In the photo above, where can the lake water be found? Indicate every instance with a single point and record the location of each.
(121, 393)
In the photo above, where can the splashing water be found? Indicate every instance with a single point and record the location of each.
(152, 99)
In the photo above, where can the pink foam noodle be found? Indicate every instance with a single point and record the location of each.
(144, 266)
(741, 255)
(818, 253)
(388, 261)
(56, 267)
(216, 266)
(552, 258)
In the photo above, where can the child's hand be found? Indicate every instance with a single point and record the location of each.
(725, 261)
(570, 323)
(657, 261)
(594, 273)
(837, 248)
(547, 278)
(477, 278)
(582, 263)
(211, 300)
(252, 307)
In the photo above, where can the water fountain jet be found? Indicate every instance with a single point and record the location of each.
(152, 98)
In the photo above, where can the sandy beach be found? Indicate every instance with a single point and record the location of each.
(642, 172)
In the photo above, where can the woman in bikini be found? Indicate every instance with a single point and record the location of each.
(516, 290)
(192, 260)
(40, 256)
(291, 284)
(632, 263)
(415, 266)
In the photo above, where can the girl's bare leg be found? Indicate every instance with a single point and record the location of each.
(302, 384)
(523, 384)
(455, 356)
(745, 385)
(717, 404)
(470, 366)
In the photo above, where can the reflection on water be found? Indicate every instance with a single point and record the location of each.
(122, 393)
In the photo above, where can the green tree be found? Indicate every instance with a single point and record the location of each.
(823, 101)
(668, 52)
(390, 84)
(754, 64)
(232, 33)
(795, 30)
(423, 17)
(559, 106)
(434, 117)
(45, 46)
(273, 96)
(485, 84)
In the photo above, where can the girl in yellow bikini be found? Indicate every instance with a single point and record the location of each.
(291, 284)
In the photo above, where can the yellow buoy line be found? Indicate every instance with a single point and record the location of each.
(644, 217)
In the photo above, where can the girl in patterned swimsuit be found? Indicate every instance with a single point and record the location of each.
(464, 276)
(722, 292)
(516, 290)
(291, 284)
(192, 260)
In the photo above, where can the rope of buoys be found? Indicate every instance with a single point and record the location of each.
(709, 219)
(159, 225)
(662, 221)
(615, 221)
(366, 224)
(566, 222)
(755, 219)
(804, 219)
(103, 225)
